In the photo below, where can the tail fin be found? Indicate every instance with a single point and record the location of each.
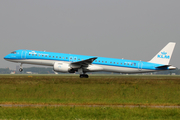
(164, 56)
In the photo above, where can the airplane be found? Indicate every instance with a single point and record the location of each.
(71, 63)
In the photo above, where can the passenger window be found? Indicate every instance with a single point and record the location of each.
(56, 56)
(114, 62)
(96, 61)
(32, 54)
(74, 58)
(66, 57)
(78, 59)
(49, 56)
(117, 63)
(99, 61)
(124, 63)
(53, 56)
(102, 61)
(110, 62)
(42, 55)
(106, 62)
(36, 54)
(29, 54)
(63, 57)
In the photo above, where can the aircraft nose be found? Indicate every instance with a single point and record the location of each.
(6, 57)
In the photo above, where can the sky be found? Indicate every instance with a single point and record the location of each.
(129, 29)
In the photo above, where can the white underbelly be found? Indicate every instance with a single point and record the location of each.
(123, 69)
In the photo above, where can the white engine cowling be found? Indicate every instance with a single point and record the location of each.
(61, 67)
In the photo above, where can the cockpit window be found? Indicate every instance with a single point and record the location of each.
(14, 52)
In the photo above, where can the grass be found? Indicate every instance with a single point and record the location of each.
(102, 90)
(90, 113)
(146, 90)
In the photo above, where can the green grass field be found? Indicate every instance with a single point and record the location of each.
(96, 90)
(158, 90)
(89, 113)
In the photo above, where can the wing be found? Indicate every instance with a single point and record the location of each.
(84, 63)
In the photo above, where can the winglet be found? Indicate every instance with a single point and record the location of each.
(164, 56)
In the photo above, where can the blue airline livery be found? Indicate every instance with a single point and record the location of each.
(82, 64)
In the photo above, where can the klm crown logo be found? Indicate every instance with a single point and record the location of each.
(32, 52)
(163, 55)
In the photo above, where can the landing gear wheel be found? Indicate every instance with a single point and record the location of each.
(20, 70)
(83, 76)
(86, 76)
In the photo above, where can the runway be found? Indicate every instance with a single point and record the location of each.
(120, 106)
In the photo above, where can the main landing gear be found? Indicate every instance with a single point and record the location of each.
(83, 76)
(20, 69)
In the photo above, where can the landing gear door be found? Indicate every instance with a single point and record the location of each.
(23, 54)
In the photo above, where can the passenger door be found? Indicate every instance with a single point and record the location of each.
(23, 54)
(140, 65)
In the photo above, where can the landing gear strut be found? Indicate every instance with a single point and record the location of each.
(83, 76)
(20, 69)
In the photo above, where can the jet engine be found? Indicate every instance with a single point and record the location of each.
(63, 67)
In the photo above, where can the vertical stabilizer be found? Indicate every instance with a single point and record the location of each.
(164, 56)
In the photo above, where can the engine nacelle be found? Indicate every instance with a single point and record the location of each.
(62, 67)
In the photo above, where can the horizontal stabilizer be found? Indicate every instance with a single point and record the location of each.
(163, 66)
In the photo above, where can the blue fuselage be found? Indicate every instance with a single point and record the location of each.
(102, 63)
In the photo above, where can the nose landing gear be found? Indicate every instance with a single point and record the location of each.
(20, 69)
